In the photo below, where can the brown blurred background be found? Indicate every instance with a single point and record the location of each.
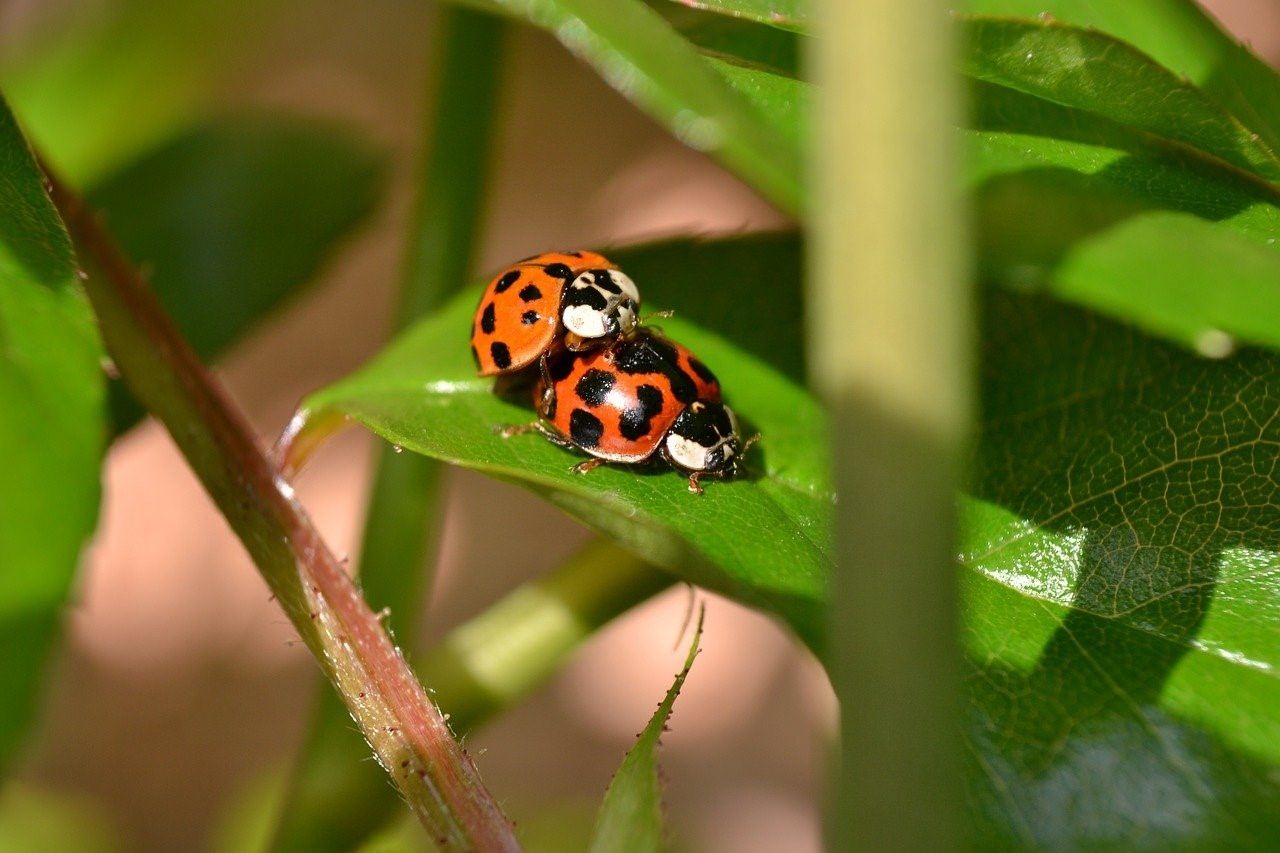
(181, 691)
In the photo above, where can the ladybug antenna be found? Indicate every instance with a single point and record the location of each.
(658, 315)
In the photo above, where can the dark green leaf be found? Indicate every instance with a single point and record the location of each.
(1183, 38)
(232, 218)
(1099, 74)
(630, 818)
(762, 539)
(639, 54)
(1123, 609)
(51, 426)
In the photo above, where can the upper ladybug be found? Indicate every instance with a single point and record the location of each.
(525, 307)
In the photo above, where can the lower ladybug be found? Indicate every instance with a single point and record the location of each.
(637, 397)
(526, 307)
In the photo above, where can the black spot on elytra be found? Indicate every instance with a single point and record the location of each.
(557, 271)
(605, 282)
(506, 281)
(530, 292)
(704, 372)
(560, 368)
(501, 355)
(585, 294)
(585, 428)
(594, 386)
(637, 421)
(488, 319)
(528, 318)
(651, 355)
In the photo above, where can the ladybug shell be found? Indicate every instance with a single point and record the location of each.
(519, 313)
(618, 402)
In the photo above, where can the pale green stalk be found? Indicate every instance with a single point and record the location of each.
(890, 326)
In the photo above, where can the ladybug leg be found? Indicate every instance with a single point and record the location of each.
(511, 430)
(587, 465)
(547, 403)
(694, 485)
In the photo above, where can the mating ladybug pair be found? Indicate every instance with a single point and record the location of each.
(605, 385)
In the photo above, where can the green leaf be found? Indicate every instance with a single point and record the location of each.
(638, 53)
(1101, 213)
(785, 14)
(734, 39)
(1183, 38)
(90, 66)
(1123, 596)
(232, 218)
(51, 425)
(1097, 73)
(762, 539)
(630, 818)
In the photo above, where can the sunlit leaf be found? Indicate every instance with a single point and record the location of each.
(1123, 610)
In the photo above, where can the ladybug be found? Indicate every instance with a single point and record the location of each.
(638, 397)
(525, 307)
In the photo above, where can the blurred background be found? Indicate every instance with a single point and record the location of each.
(181, 693)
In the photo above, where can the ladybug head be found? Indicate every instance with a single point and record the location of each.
(600, 304)
(705, 438)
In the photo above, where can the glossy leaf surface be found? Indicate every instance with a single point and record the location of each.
(51, 426)
(1124, 611)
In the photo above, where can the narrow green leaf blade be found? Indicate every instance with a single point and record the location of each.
(1183, 38)
(646, 60)
(234, 217)
(51, 424)
(630, 818)
(762, 539)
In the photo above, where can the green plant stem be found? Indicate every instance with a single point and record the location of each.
(337, 799)
(406, 731)
(490, 662)
(890, 319)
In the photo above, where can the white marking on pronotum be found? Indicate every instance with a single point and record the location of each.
(686, 453)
